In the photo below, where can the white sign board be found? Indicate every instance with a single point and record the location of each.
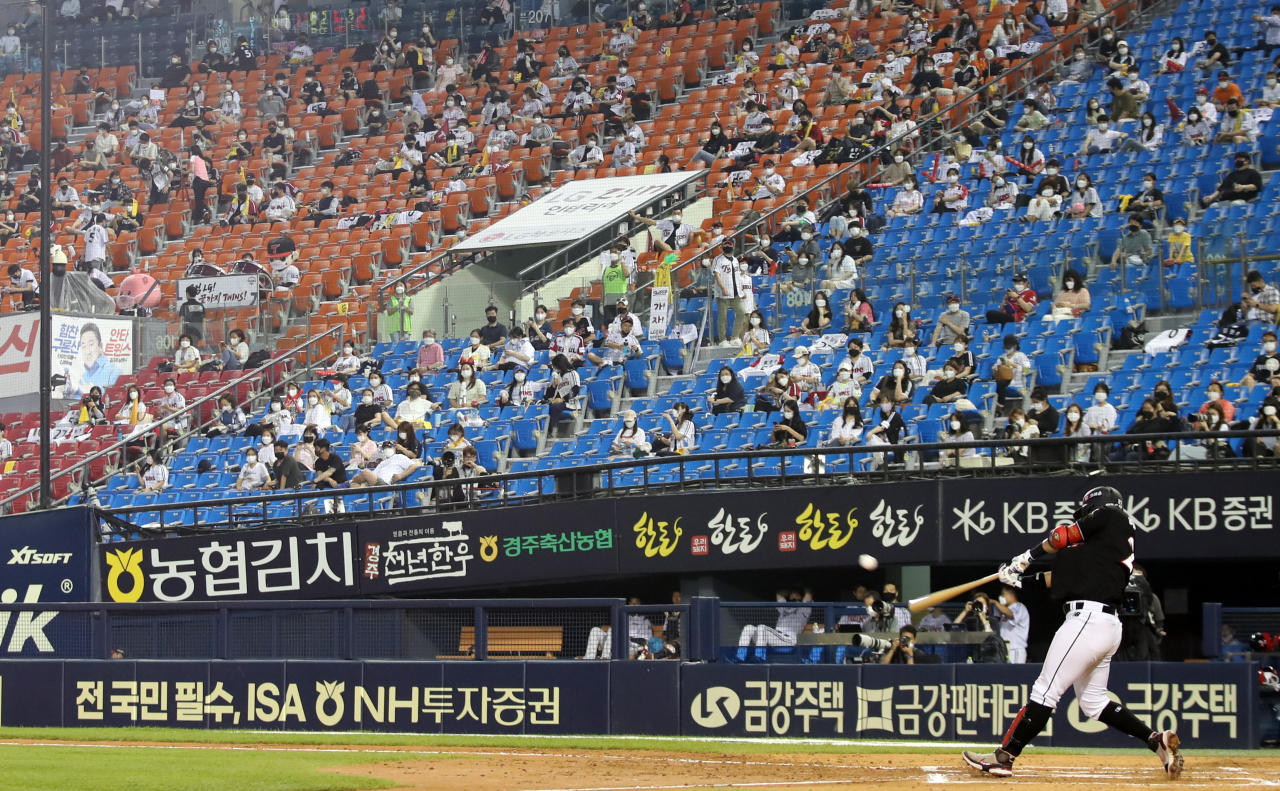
(576, 210)
(228, 291)
(659, 312)
(88, 351)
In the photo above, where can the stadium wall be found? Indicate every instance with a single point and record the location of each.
(1211, 705)
(949, 521)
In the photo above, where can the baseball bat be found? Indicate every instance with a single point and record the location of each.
(938, 597)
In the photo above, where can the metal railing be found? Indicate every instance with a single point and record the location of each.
(357, 629)
(180, 417)
(831, 466)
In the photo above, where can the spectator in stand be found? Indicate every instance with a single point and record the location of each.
(1100, 417)
(1011, 369)
(430, 353)
(888, 429)
(1020, 301)
(847, 428)
(858, 315)
(789, 430)
(6, 447)
(1261, 301)
(254, 473)
(1073, 297)
(330, 469)
(909, 200)
(492, 334)
(951, 324)
(1237, 125)
(1266, 366)
(469, 391)
(729, 394)
(171, 403)
(228, 419)
(1135, 247)
(897, 385)
(476, 353)
(347, 363)
(1214, 394)
(23, 282)
(1270, 96)
(901, 327)
(950, 388)
(562, 393)
(517, 352)
(317, 415)
(235, 351)
(398, 317)
(1214, 55)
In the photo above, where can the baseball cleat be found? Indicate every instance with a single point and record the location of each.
(1166, 749)
(997, 764)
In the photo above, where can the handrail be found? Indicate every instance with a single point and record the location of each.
(607, 468)
(176, 416)
(871, 156)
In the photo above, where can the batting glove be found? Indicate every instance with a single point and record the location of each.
(1020, 563)
(1010, 576)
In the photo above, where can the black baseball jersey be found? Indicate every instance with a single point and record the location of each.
(1098, 568)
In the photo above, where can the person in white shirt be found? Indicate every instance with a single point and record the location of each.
(517, 352)
(756, 334)
(805, 373)
(908, 201)
(729, 292)
(1017, 360)
(624, 152)
(846, 429)
(348, 363)
(629, 437)
(771, 184)
(156, 476)
(281, 206)
(956, 432)
(317, 415)
(622, 313)
(1271, 91)
(682, 436)
(97, 237)
(253, 473)
(1101, 138)
(391, 470)
(1237, 125)
(569, 343)
(620, 344)
(1044, 206)
(791, 622)
(673, 232)
(1100, 417)
(1015, 624)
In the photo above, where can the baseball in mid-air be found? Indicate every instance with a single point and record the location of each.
(868, 562)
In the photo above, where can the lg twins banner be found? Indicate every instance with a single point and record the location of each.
(229, 291)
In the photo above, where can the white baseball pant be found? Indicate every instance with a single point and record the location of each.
(599, 646)
(765, 636)
(1080, 656)
(1017, 656)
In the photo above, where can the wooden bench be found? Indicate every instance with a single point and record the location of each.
(515, 640)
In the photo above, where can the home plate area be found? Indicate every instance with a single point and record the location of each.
(559, 770)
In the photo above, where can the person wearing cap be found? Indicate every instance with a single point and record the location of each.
(770, 184)
(23, 281)
(628, 437)
(805, 373)
(845, 386)
(951, 324)
(620, 342)
(623, 314)
(1020, 301)
(730, 290)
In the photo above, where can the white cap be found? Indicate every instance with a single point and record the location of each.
(845, 365)
(802, 350)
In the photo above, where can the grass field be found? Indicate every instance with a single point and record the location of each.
(146, 759)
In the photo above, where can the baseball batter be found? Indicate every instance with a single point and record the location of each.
(1094, 557)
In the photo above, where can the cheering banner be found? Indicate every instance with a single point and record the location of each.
(229, 291)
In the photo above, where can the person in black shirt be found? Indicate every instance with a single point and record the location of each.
(312, 89)
(175, 74)
(926, 79)
(729, 395)
(330, 469)
(790, 431)
(1149, 201)
(375, 119)
(192, 315)
(769, 140)
(897, 386)
(1215, 54)
(1092, 566)
(903, 650)
(274, 143)
(949, 388)
(717, 145)
(1241, 184)
(243, 57)
(348, 86)
(859, 247)
(213, 59)
(368, 412)
(1266, 367)
(886, 428)
(492, 334)
(540, 331)
(1043, 413)
(286, 473)
(1053, 178)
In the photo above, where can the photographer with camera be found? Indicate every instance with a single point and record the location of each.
(1015, 624)
(976, 613)
(903, 651)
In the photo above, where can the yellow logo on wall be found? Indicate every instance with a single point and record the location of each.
(488, 548)
(125, 561)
